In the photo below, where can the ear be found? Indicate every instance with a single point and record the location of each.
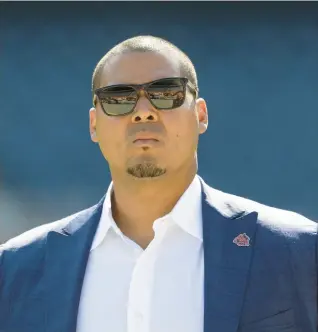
(92, 124)
(202, 113)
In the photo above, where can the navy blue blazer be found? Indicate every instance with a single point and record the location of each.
(265, 280)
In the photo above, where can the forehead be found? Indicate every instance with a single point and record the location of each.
(139, 67)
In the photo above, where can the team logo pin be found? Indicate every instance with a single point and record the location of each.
(242, 240)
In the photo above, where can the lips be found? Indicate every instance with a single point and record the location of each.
(146, 140)
(143, 137)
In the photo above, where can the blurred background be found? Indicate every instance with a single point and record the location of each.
(257, 66)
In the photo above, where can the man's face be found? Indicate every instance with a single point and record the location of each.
(148, 142)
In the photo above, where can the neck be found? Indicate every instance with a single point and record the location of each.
(137, 203)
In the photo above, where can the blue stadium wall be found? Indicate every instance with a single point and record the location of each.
(257, 66)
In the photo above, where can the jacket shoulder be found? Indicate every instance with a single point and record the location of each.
(21, 257)
(287, 223)
(280, 233)
(36, 237)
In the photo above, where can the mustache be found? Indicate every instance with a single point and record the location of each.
(155, 128)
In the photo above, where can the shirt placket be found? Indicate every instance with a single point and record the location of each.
(141, 285)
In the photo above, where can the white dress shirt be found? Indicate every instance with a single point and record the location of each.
(159, 289)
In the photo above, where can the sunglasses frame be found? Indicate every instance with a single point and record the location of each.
(138, 87)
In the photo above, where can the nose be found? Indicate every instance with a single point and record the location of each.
(144, 111)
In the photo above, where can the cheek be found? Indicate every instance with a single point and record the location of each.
(185, 130)
(111, 135)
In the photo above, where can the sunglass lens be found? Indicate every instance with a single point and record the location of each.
(166, 93)
(118, 100)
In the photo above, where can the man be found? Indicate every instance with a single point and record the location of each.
(162, 251)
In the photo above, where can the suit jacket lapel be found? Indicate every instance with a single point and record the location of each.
(66, 260)
(227, 265)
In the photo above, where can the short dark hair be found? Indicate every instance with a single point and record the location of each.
(146, 44)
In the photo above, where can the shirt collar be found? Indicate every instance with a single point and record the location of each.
(187, 214)
(106, 220)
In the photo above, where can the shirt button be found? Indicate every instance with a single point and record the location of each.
(139, 318)
(135, 320)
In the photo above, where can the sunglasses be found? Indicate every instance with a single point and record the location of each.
(163, 94)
